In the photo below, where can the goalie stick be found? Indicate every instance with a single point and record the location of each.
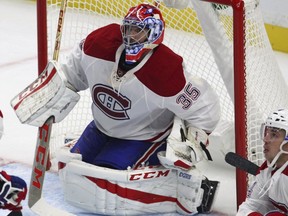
(241, 163)
(36, 202)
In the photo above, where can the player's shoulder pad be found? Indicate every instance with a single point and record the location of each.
(163, 73)
(103, 42)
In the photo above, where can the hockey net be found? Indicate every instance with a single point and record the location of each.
(211, 50)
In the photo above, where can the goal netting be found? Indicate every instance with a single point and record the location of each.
(225, 44)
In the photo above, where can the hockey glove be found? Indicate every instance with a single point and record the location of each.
(186, 153)
(199, 140)
(12, 191)
(177, 156)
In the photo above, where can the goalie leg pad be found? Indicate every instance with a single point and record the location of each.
(49, 95)
(117, 192)
(146, 190)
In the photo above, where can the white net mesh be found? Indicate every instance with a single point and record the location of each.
(265, 87)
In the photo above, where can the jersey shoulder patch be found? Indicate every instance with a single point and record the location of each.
(103, 42)
(163, 73)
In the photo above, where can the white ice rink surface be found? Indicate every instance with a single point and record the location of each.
(18, 68)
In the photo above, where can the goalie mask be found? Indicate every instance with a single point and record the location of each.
(142, 30)
(271, 129)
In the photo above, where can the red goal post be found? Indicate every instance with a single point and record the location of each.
(239, 89)
(223, 41)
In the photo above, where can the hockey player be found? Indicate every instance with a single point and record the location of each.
(268, 194)
(12, 188)
(138, 86)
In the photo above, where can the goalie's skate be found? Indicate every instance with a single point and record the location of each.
(210, 188)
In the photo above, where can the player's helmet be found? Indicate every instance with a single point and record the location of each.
(142, 30)
(279, 120)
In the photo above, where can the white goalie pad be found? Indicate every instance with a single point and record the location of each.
(147, 190)
(49, 95)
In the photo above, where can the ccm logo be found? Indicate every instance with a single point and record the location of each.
(35, 85)
(41, 154)
(149, 175)
(59, 29)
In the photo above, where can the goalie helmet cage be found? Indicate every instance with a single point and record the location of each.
(222, 41)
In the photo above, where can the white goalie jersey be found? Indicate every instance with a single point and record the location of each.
(141, 104)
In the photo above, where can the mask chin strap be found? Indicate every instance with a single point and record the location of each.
(272, 164)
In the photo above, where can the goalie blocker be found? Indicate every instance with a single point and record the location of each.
(146, 190)
(49, 95)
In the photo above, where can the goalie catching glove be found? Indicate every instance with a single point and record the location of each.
(49, 95)
(186, 153)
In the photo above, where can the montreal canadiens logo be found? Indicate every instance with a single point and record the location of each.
(111, 103)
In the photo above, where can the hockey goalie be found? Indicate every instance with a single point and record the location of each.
(128, 160)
